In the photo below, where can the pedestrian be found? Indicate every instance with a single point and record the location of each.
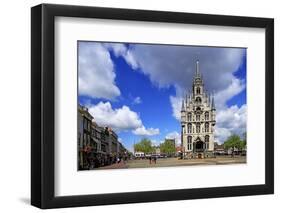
(150, 158)
(155, 158)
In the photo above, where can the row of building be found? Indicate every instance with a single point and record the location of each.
(97, 146)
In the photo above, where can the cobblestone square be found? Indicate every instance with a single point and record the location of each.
(171, 162)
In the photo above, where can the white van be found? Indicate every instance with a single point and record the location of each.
(139, 155)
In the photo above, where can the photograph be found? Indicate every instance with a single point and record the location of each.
(133, 105)
(160, 105)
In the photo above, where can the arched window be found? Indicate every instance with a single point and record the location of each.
(189, 128)
(198, 90)
(198, 128)
(197, 117)
(206, 116)
(198, 100)
(189, 116)
(206, 127)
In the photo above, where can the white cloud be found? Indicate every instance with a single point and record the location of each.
(137, 100)
(235, 87)
(96, 72)
(168, 65)
(142, 131)
(117, 48)
(130, 59)
(121, 50)
(221, 134)
(120, 119)
(230, 120)
(233, 118)
(176, 103)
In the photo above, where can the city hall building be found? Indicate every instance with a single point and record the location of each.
(198, 119)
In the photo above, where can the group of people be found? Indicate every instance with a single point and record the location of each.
(152, 159)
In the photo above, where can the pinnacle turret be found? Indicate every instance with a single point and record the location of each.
(213, 103)
(182, 106)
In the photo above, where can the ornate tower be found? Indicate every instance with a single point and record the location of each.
(198, 118)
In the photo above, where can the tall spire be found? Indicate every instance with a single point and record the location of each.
(197, 69)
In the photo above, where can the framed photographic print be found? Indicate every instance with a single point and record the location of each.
(139, 106)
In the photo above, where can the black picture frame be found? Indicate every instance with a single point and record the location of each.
(43, 105)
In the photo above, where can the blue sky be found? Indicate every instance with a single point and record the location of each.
(137, 88)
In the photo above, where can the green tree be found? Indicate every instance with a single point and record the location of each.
(144, 145)
(168, 147)
(232, 142)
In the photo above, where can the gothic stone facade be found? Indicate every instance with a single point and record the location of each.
(198, 119)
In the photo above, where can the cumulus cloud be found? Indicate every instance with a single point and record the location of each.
(176, 102)
(174, 65)
(232, 120)
(121, 50)
(142, 131)
(120, 119)
(96, 72)
(234, 88)
(221, 134)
